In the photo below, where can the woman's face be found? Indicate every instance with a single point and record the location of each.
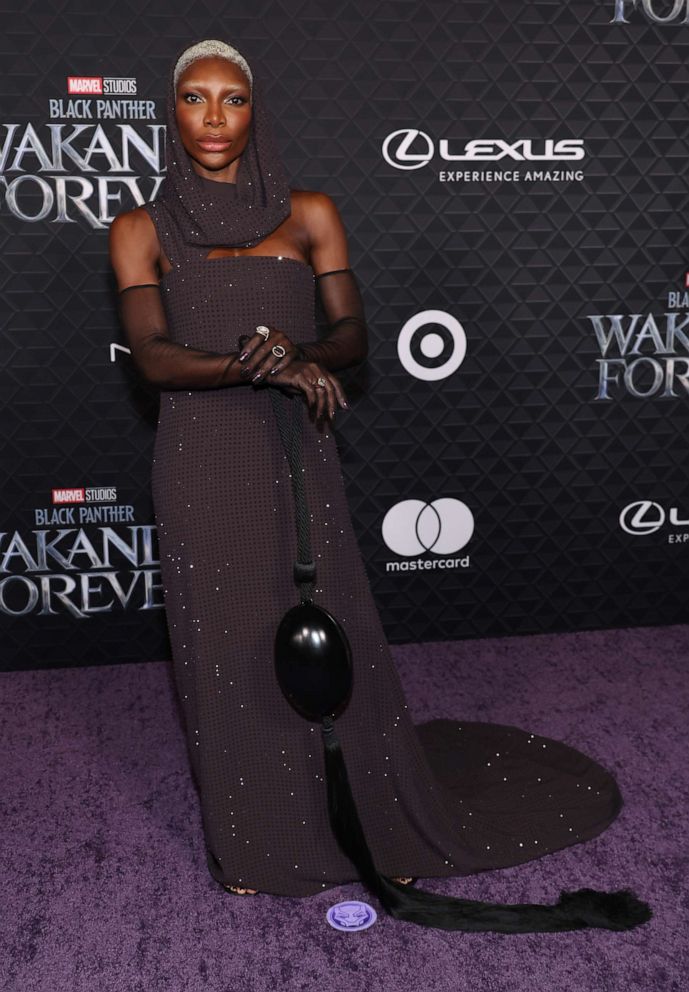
(214, 116)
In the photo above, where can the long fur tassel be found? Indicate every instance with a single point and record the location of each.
(584, 908)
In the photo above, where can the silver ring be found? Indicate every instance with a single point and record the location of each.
(320, 381)
(263, 330)
(278, 351)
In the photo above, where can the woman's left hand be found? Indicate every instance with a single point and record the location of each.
(256, 354)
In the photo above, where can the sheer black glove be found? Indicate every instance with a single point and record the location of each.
(164, 363)
(346, 342)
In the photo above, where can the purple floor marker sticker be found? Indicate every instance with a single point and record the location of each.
(351, 915)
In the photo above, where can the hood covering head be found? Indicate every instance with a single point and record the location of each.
(211, 213)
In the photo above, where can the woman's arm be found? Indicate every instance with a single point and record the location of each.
(346, 342)
(134, 251)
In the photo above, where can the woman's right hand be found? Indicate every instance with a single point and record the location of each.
(302, 376)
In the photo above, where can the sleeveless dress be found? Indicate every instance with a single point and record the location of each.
(441, 798)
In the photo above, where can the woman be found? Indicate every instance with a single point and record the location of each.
(217, 280)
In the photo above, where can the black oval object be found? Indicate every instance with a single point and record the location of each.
(313, 661)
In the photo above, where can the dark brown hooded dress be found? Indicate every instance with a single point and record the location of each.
(449, 797)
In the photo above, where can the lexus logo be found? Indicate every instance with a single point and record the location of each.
(397, 153)
(642, 517)
(414, 526)
(432, 345)
(409, 148)
(646, 517)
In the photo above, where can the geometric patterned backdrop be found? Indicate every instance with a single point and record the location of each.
(562, 506)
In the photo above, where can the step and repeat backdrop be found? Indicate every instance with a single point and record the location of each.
(513, 179)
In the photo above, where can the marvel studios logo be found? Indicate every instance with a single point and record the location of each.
(101, 85)
(83, 494)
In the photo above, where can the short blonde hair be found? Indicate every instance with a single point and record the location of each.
(212, 47)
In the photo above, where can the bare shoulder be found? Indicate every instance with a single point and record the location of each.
(318, 216)
(133, 225)
(134, 247)
(314, 209)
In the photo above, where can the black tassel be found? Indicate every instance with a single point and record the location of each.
(579, 910)
(313, 666)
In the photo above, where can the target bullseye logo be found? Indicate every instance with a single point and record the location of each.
(414, 526)
(432, 345)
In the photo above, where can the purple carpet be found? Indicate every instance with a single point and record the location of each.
(104, 880)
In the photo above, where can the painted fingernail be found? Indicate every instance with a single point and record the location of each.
(257, 376)
(243, 356)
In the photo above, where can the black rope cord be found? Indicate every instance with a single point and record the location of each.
(291, 436)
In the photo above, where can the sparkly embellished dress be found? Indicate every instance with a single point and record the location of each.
(447, 797)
